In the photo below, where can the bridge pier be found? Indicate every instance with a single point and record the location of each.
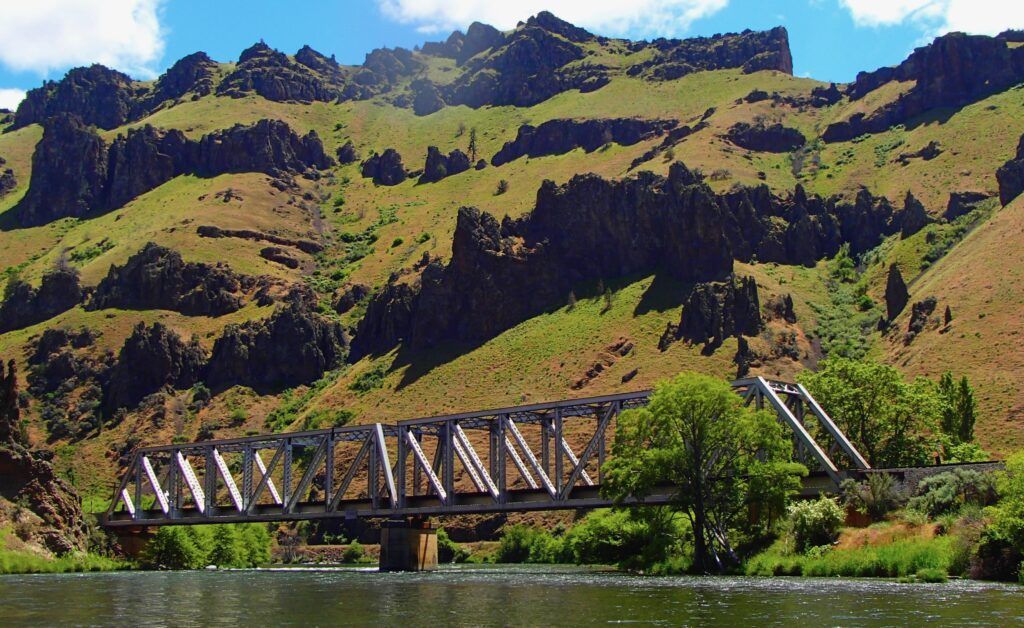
(133, 540)
(408, 544)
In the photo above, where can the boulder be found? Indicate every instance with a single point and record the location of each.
(151, 359)
(557, 137)
(1011, 175)
(279, 256)
(761, 137)
(347, 153)
(920, 315)
(156, 278)
(24, 305)
(780, 307)
(350, 296)
(438, 165)
(8, 182)
(896, 294)
(385, 169)
(293, 346)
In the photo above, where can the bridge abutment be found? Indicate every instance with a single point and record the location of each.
(408, 544)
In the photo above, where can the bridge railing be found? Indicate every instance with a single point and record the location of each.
(531, 457)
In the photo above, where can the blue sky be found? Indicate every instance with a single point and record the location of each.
(831, 39)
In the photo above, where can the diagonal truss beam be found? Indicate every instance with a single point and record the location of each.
(798, 428)
(474, 460)
(421, 460)
(229, 481)
(198, 496)
(161, 497)
(579, 468)
(531, 459)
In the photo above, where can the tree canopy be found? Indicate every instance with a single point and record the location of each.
(725, 459)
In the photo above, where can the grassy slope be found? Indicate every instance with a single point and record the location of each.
(542, 357)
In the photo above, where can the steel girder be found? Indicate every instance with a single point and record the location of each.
(511, 459)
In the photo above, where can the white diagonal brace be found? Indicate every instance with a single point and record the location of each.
(161, 497)
(523, 471)
(468, 464)
(798, 428)
(575, 462)
(460, 435)
(826, 421)
(263, 473)
(385, 463)
(530, 458)
(198, 496)
(127, 499)
(229, 481)
(421, 459)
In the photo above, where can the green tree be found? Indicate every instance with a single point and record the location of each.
(697, 435)
(225, 547)
(958, 412)
(890, 421)
(255, 542)
(175, 547)
(472, 144)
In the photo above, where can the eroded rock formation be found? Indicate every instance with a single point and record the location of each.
(769, 138)
(97, 95)
(1011, 176)
(293, 346)
(896, 294)
(750, 50)
(714, 311)
(438, 165)
(24, 305)
(556, 137)
(157, 278)
(151, 359)
(73, 171)
(385, 169)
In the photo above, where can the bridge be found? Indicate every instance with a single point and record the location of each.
(545, 456)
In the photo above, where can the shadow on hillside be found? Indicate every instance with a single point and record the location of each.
(665, 293)
(420, 362)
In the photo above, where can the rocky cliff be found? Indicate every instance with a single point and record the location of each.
(952, 71)
(503, 273)
(557, 137)
(28, 478)
(97, 95)
(74, 172)
(151, 359)
(24, 305)
(750, 50)
(293, 346)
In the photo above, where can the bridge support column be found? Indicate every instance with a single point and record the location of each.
(408, 544)
(133, 540)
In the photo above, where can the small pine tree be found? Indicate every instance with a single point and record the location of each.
(462, 130)
(572, 300)
(472, 144)
(502, 187)
(607, 300)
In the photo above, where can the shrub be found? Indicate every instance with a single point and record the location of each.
(502, 188)
(174, 547)
(875, 497)
(950, 491)
(353, 553)
(931, 574)
(397, 242)
(448, 551)
(368, 380)
(813, 523)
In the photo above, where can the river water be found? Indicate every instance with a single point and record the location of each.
(492, 596)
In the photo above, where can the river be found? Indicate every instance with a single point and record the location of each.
(492, 596)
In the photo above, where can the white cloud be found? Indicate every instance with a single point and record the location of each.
(10, 97)
(986, 17)
(607, 17)
(46, 35)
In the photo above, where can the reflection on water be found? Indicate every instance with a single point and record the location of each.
(491, 596)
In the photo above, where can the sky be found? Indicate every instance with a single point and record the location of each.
(831, 39)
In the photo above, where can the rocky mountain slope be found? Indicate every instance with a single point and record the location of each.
(285, 242)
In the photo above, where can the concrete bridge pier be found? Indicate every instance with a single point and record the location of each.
(408, 544)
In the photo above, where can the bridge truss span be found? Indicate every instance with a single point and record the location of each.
(543, 456)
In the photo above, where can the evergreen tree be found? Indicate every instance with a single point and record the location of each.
(472, 144)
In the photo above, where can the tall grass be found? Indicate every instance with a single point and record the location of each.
(12, 562)
(900, 558)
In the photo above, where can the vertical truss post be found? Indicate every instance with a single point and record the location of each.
(209, 480)
(403, 431)
(286, 475)
(247, 455)
(173, 489)
(498, 456)
(545, 447)
(138, 486)
(448, 462)
(372, 475)
(415, 467)
(559, 480)
(329, 468)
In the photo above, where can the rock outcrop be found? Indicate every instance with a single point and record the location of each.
(961, 203)
(502, 273)
(157, 278)
(556, 137)
(715, 311)
(293, 346)
(74, 172)
(8, 182)
(1011, 176)
(350, 296)
(954, 70)
(896, 294)
(750, 50)
(438, 165)
(385, 169)
(920, 315)
(274, 76)
(768, 138)
(28, 478)
(306, 246)
(914, 217)
(24, 305)
(151, 359)
(347, 153)
(192, 74)
(97, 95)
(780, 307)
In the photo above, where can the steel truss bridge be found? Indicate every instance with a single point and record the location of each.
(513, 459)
